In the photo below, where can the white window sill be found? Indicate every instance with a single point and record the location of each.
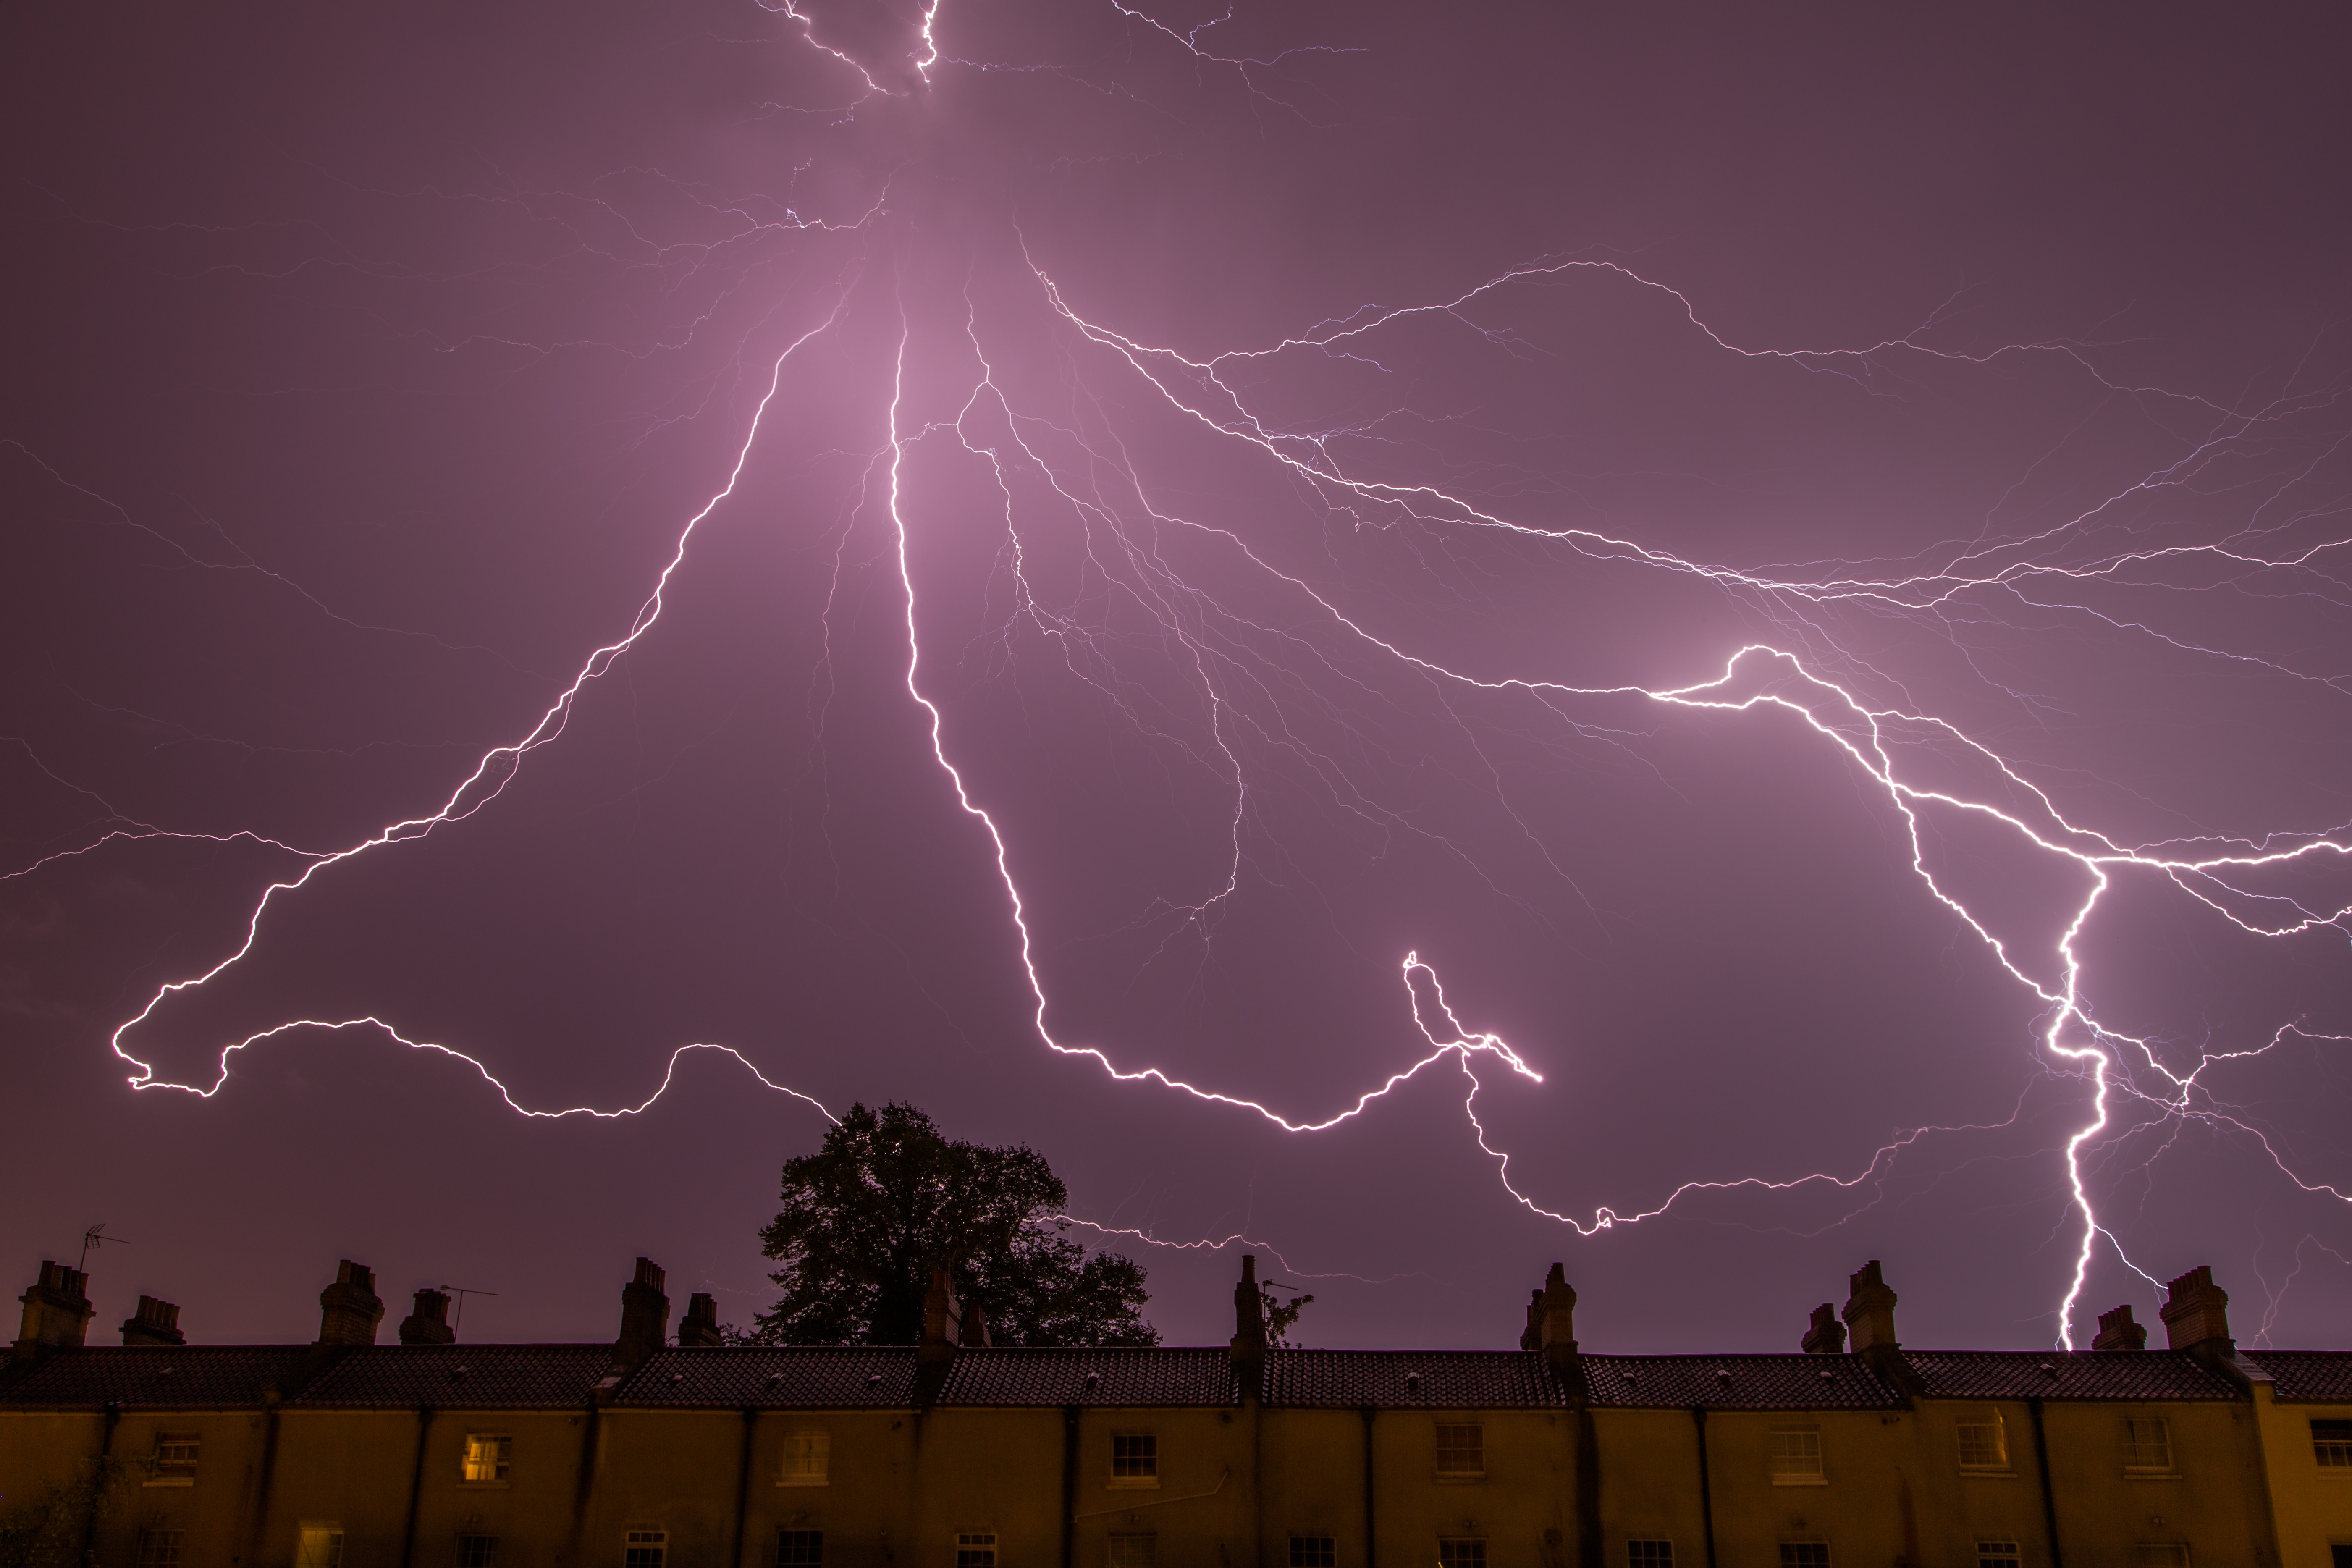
(1459, 1477)
(1134, 1483)
(1800, 1480)
(484, 1486)
(2151, 1475)
(1987, 1474)
(171, 1482)
(805, 1482)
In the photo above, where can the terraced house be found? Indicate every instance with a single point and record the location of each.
(650, 1453)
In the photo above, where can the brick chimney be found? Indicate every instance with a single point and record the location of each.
(1531, 1339)
(1556, 1323)
(975, 1330)
(2118, 1332)
(1827, 1335)
(2196, 1313)
(57, 1312)
(644, 1316)
(155, 1323)
(1870, 1310)
(942, 1329)
(1248, 1348)
(428, 1323)
(349, 1310)
(700, 1324)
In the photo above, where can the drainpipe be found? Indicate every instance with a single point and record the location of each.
(742, 1481)
(1372, 1495)
(415, 1486)
(2049, 1499)
(99, 1481)
(1706, 1488)
(1069, 1485)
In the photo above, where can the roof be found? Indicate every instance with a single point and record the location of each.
(2068, 1374)
(469, 1377)
(1108, 1375)
(806, 1377)
(1738, 1382)
(2314, 1377)
(1425, 1380)
(185, 1377)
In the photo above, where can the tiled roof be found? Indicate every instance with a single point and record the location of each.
(1428, 1380)
(157, 1376)
(806, 1377)
(2317, 1377)
(1737, 1382)
(461, 1377)
(2063, 1374)
(1121, 1375)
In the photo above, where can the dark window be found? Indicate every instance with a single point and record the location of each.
(1134, 1550)
(176, 1453)
(644, 1549)
(976, 1548)
(1992, 1553)
(1461, 1449)
(2331, 1444)
(1804, 1554)
(2340, 1556)
(1649, 1554)
(1314, 1552)
(1461, 1551)
(159, 1548)
(478, 1552)
(1134, 1456)
(800, 1549)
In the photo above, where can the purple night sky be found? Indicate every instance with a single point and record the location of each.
(1985, 374)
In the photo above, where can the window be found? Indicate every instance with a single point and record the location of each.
(1461, 1551)
(1134, 1459)
(644, 1548)
(800, 1549)
(1134, 1550)
(1984, 1446)
(1461, 1449)
(175, 1458)
(2002, 1553)
(320, 1546)
(486, 1454)
(808, 1459)
(2331, 1444)
(2160, 1554)
(159, 1548)
(2148, 1445)
(1804, 1554)
(2339, 1557)
(1314, 1552)
(1649, 1554)
(976, 1549)
(478, 1552)
(1797, 1460)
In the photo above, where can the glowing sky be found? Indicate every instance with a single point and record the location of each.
(1706, 644)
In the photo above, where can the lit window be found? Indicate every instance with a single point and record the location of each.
(1993, 1553)
(800, 1549)
(2148, 1445)
(1804, 1554)
(320, 1546)
(976, 1549)
(644, 1549)
(478, 1552)
(1461, 1449)
(2331, 1444)
(159, 1548)
(1134, 1550)
(1649, 1554)
(1461, 1551)
(1134, 1459)
(1314, 1552)
(2160, 1554)
(175, 1458)
(1984, 1446)
(1797, 1460)
(808, 1459)
(486, 1454)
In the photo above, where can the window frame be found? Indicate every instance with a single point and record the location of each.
(2339, 1467)
(1128, 1539)
(1998, 1465)
(645, 1537)
(1476, 1448)
(327, 1530)
(2136, 1447)
(1321, 1551)
(1662, 1554)
(178, 1472)
(484, 1559)
(1469, 1552)
(1144, 1451)
(1999, 1552)
(498, 1446)
(160, 1547)
(806, 1443)
(792, 1541)
(1783, 1465)
(973, 1545)
(1792, 1553)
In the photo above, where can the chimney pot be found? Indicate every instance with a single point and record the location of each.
(2196, 1311)
(57, 1311)
(700, 1324)
(428, 1323)
(1870, 1309)
(1827, 1335)
(349, 1310)
(155, 1323)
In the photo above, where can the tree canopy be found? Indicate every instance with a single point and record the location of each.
(887, 1199)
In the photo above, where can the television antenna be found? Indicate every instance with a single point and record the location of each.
(461, 1292)
(95, 1237)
